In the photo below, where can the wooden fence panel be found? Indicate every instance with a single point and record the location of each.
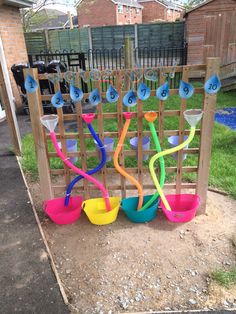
(115, 183)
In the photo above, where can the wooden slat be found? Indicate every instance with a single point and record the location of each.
(181, 136)
(35, 108)
(129, 134)
(101, 131)
(206, 136)
(161, 114)
(62, 134)
(120, 127)
(140, 141)
(172, 92)
(61, 188)
(82, 148)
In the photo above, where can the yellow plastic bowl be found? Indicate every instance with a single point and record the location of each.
(95, 210)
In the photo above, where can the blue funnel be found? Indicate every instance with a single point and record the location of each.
(129, 206)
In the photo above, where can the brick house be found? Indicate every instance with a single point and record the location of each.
(12, 36)
(160, 10)
(108, 12)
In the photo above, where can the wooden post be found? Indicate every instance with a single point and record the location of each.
(129, 60)
(47, 39)
(9, 105)
(129, 48)
(213, 66)
(35, 108)
(90, 38)
(136, 42)
(70, 19)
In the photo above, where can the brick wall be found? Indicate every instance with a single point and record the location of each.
(12, 35)
(96, 13)
(105, 12)
(154, 11)
(130, 15)
(172, 15)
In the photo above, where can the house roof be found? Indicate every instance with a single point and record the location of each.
(19, 3)
(59, 22)
(165, 3)
(197, 6)
(129, 3)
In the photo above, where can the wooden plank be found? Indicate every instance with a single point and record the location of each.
(127, 153)
(120, 127)
(35, 108)
(101, 130)
(61, 188)
(82, 148)
(140, 141)
(129, 134)
(62, 135)
(181, 135)
(206, 137)
(161, 113)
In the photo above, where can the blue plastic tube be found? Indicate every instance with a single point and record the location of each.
(92, 171)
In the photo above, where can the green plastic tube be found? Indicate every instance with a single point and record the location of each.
(162, 166)
(164, 153)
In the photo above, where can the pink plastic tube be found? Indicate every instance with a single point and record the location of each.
(81, 172)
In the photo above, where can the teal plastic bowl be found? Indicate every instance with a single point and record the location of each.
(129, 206)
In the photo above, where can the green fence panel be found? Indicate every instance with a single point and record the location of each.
(107, 37)
(35, 42)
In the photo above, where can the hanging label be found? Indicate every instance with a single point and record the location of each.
(30, 84)
(57, 100)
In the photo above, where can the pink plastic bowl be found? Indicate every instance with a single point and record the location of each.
(62, 215)
(184, 207)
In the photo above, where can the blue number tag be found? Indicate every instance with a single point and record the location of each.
(212, 85)
(151, 75)
(163, 91)
(143, 91)
(130, 99)
(94, 97)
(30, 84)
(57, 100)
(111, 94)
(186, 90)
(76, 94)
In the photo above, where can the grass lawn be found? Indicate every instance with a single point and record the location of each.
(223, 161)
(225, 278)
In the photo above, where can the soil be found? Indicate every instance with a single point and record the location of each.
(127, 267)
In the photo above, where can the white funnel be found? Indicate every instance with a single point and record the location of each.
(49, 121)
(193, 116)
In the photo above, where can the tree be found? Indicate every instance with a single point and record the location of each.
(192, 3)
(31, 15)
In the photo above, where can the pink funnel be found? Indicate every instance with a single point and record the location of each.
(183, 207)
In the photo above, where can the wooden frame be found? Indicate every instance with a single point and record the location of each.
(203, 152)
